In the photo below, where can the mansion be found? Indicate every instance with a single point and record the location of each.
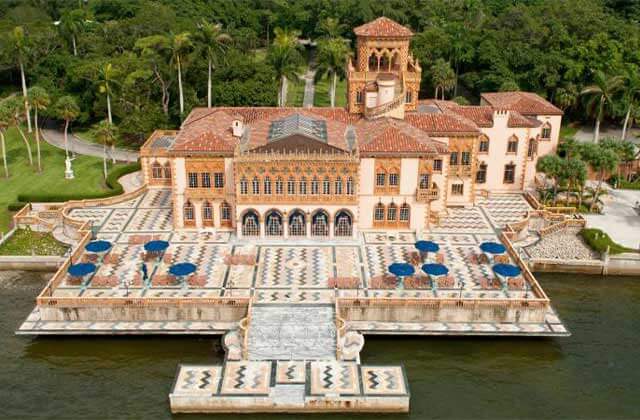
(388, 160)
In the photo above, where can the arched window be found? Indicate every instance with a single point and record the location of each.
(378, 213)
(320, 224)
(273, 223)
(297, 223)
(207, 211)
(350, 189)
(256, 185)
(381, 178)
(303, 186)
(250, 224)
(291, 186)
(225, 213)
(315, 186)
(326, 186)
(189, 216)
(337, 189)
(279, 186)
(244, 186)
(373, 62)
(385, 63)
(156, 170)
(423, 183)
(343, 224)
(267, 185)
(546, 131)
(483, 146)
(481, 174)
(512, 145)
(394, 178)
(167, 170)
(392, 212)
(405, 213)
(533, 148)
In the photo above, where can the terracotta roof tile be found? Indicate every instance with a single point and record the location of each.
(442, 125)
(526, 103)
(383, 27)
(387, 135)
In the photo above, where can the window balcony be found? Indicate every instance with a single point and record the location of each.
(460, 170)
(425, 195)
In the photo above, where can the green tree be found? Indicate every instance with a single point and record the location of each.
(67, 109)
(39, 98)
(551, 166)
(602, 160)
(631, 96)
(155, 51)
(20, 48)
(105, 134)
(17, 117)
(106, 79)
(330, 28)
(71, 25)
(5, 122)
(443, 77)
(180, 45)
(212, 43)
(566, 96)
(600, 96)
(285, 59)
(331, 58)
(575, 172)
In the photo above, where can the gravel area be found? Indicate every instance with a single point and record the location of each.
(565, 245)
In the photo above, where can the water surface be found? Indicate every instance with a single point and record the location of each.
(593, 374)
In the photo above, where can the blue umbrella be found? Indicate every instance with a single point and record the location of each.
(182, 269)
(98, 246)
(427, 246)
(156, 246)
(506, 270)
(493, 248)
(435, 269)
(401, 269)
(81, 269)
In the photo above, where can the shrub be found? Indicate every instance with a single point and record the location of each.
(599, 241)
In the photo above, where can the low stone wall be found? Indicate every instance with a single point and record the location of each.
(31, 263)
(433, 310)
(623, 265)
(619, 265)
(78, 309)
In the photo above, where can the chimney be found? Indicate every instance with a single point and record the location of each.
(237, 127)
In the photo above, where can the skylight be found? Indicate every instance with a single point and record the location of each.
(298, 124)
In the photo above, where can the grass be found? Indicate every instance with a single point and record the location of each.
(260, 54)
(567, 131)
(28, 242)
(321, 97)
(24, 179)
(600, 241)
(295, 93)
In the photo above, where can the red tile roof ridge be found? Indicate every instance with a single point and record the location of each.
(383, 27)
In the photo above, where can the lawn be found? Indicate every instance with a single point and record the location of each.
(567, 131)
(295, 92)
(321, 97)
(600, 241)
(28, 242)
(24, 179)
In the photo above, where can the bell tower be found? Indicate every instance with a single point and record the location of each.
(385, 79)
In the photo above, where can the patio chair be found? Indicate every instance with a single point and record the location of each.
(440, 258)
(501, 259)
(446, 282)
(515, 283)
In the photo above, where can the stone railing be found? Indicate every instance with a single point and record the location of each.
(557, 227)
(424, 195)
(526, 273)
(250, 156)
(380, 110)
(516, 230)
(460, 170)
(560, 209)
(532, 200)
(340, 329)
(245, 324)
(108, 201)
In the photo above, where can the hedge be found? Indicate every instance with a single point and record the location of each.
(112, 183)
(599, 241)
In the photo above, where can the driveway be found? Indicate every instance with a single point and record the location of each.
(619, 220)
(56, 138)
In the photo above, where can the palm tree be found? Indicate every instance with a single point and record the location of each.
(180, 44)
(444, 78)
(105, 133)
(67, 108)
(106, 80)
(600, 95)
(551, 166)
(332, 54)
(155, 50)
(15, 106)
(631, 96)
(285, 59)
(330, 28)
(20, 46)
(212, 42)
(602, 160)
(5, 122)
(71, 25)
(40, 100)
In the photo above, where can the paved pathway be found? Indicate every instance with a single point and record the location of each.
(619, 220)
(81, 147)
(131, 182)
(309, 88)
(585, 134)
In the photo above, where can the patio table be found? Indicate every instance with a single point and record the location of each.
(491, 249)
(425, 247)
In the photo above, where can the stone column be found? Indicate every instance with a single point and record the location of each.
(239, 228)
(262, 227)
(197, 209)
(354, 229)
(285, 226)
(308, 226)
(331, 229)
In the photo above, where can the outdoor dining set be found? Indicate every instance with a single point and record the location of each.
(493, 253)
(154, 250)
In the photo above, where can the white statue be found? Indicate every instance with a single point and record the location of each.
(68, 171)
